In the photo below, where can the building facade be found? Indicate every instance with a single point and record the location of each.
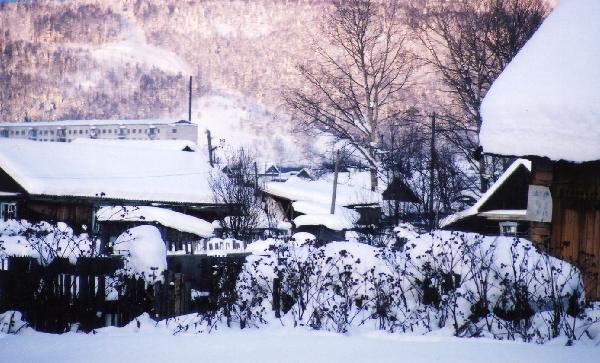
(67, 131)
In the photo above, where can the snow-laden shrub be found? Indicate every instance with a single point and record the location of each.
(11, 322)
(144, 253)
(44, 241)
(476, 286)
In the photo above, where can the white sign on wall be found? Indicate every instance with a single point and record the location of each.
(539, 204)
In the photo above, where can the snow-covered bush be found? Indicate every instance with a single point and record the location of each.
(144, 252)
(44, 241)
(498, 287)
(11, 322)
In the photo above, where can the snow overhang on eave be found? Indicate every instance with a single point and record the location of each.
(505, 214)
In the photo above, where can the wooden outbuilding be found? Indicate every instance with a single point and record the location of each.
(546, 106)
(502, 209)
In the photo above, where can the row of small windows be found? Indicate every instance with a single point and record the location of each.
(81, 132)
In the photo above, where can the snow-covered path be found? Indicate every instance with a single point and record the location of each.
(287, 345)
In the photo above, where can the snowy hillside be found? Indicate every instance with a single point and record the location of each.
(236, 121)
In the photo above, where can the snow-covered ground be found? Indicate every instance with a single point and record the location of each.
(277, 345)
(135, 49)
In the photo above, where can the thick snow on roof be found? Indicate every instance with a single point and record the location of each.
(87, 170)
(335, 222)
(320, 191)
(166, 217)
(547, 101)
(93, 123)
(487, 195)
(173, 145)
(319, 214)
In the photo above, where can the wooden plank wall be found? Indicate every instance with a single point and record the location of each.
(575, 228)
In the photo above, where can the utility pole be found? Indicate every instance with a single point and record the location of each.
(336, 170)
(256, 178)
(210, 148)
(432, 172)
(190, 101)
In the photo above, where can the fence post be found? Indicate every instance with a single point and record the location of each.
(277, 297)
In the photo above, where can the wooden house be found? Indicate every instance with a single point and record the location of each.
(307, 204)
(70, 182)
(502, 209)
(546, 106)
(399, 197)
(283, 173)
(181, 232)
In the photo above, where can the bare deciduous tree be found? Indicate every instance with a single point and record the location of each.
(468, 43)
(354, 83)
(237, 187)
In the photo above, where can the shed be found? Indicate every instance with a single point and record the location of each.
(502, 209)
(546, 106)
(180, 231)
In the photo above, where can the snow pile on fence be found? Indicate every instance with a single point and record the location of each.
(144, 252)
(467, 284)
(43, 241)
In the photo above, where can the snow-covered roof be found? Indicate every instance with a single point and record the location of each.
(173, 145)
(319, 191)
(335, 222)
(166, 217)
(547, 100)
(319, 214)
(473, 210)
(95, 123)
(88, 170)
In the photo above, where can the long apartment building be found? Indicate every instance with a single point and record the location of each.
(67, 131)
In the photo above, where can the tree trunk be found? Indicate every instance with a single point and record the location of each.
(483, 181)
(374, 179)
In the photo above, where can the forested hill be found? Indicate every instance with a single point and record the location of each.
(132, 59)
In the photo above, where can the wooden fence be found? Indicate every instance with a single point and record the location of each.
(54, 297)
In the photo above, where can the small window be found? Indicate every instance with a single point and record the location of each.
(8, 211)
(51, 132)
(80, 132)
(508, 229)
(134, 131)
(174, 131)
